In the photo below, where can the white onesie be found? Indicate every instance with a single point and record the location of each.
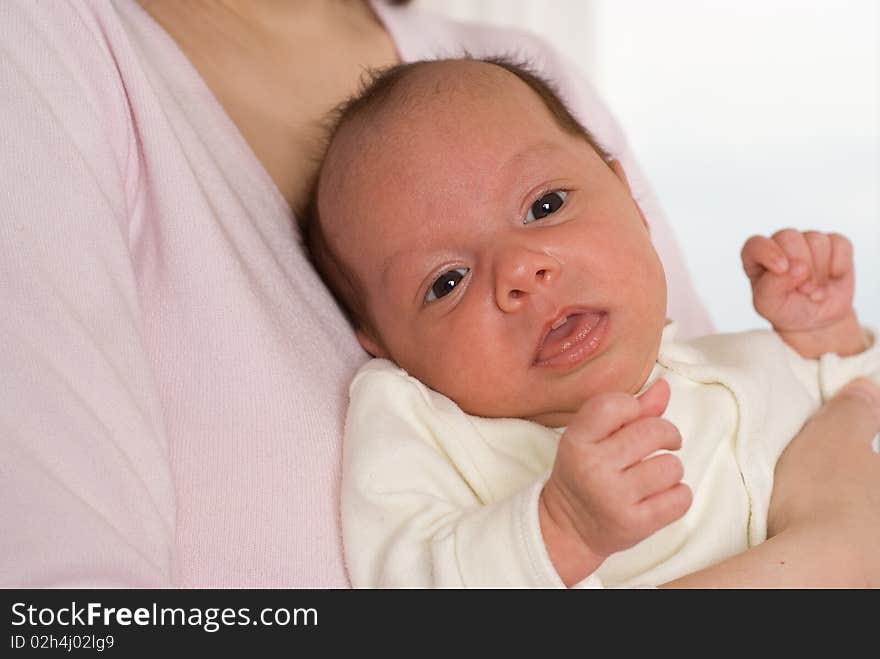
(432, 496)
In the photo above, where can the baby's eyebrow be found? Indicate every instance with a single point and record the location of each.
(532, 151)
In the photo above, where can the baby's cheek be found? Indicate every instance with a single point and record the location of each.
(480, 388)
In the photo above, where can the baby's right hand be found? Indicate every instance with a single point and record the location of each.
(604, 493)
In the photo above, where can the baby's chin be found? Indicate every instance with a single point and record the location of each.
(561, 415)
(560, 419)
(547, 413)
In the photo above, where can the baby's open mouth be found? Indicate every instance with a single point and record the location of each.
(571, 337)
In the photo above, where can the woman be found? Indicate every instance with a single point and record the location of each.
(174, 373)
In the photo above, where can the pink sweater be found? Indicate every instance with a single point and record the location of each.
(173, 375)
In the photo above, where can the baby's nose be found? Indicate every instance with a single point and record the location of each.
(522, 273)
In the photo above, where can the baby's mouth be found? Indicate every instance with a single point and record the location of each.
(571, 337)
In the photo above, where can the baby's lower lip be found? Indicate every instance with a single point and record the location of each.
(584, 342)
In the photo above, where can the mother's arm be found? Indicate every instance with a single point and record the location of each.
(824, 518)
(86, 492)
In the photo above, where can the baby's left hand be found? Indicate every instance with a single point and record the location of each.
(800, 280)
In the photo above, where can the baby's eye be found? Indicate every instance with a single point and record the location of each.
(444, 284)
(546, 205)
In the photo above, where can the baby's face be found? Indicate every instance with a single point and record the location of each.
(504, 263)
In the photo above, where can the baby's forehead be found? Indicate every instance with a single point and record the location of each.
(427, 88)
(428, 98)
(448, 79)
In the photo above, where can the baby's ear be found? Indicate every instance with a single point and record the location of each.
(370, 344)
(617, 168)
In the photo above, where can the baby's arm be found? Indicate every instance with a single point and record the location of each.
(824, 521)
(803, 284)
(423, 504)
(417, 510)
(605, 493)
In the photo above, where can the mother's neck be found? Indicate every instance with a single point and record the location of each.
(278, 67)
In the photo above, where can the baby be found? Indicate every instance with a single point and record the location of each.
(516, 428)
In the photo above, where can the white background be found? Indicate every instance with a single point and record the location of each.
(746, 116)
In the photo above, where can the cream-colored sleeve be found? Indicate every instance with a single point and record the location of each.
(836, 371)
(822, 378)
(831, 372)
(410, 518)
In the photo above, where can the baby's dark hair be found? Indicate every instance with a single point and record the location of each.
(374, 95)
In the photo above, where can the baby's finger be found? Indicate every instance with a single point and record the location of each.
(653, 475)
(654, 399)
(820, 250)
(841, 256)
(602, 415)
(663, 508)
(795, 246)
(640, 439)
(760, 253)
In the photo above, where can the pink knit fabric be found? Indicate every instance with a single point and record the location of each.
(173, 375)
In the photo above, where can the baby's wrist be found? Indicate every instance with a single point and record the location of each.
(844, 337)
(572, 558)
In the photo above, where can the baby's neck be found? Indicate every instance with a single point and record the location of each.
(633, 385)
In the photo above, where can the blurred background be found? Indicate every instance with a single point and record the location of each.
(747, 117)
